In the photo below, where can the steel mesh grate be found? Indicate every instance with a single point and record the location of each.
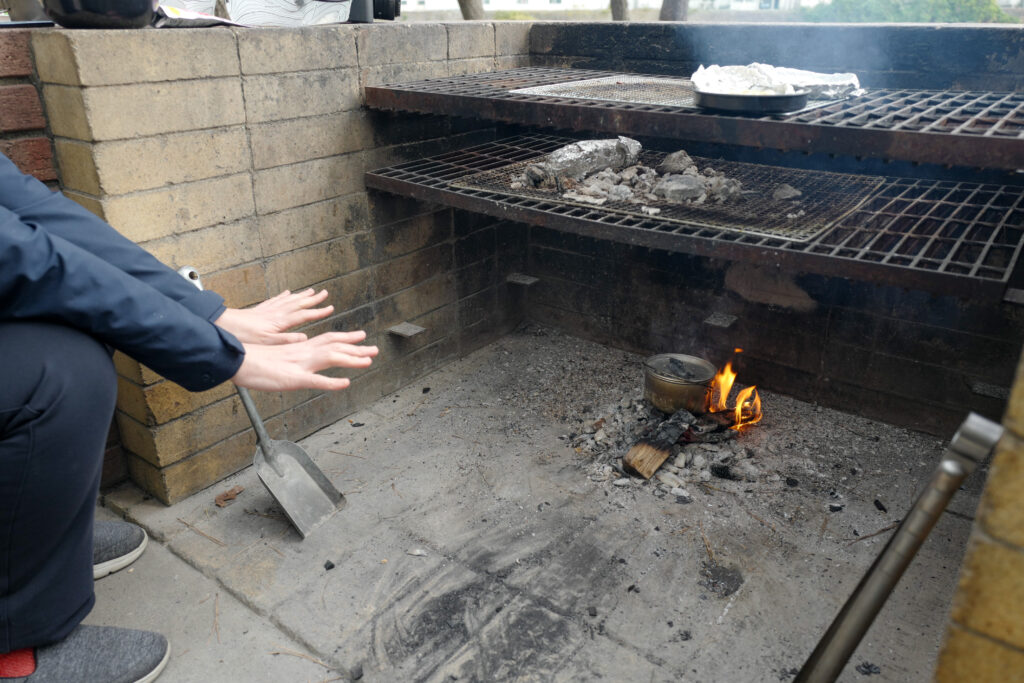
(826, 198)
(630, 89)
(670, 92)
(956, 237)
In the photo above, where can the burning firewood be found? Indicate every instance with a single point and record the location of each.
(647, 454)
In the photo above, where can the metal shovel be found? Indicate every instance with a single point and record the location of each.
(305, 494)
(970, 446)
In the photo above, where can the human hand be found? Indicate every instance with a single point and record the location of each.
(286, 367)
(267, 323)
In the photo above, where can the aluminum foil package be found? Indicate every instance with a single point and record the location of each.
(580, 159)
(764, 79)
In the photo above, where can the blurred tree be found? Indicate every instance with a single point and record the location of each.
(620, 10)
(912, 11)
(674, 10)
(472, 9)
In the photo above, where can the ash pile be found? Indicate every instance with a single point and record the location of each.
(600, 171)
(689, 449)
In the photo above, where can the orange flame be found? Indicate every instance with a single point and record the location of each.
(721, 385)
(747, 409)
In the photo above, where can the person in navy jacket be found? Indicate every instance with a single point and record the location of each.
(71, 289)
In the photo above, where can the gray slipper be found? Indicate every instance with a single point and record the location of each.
(115, 545)
(101, 654)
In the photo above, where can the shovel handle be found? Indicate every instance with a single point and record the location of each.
(970, 446)
(192, 275)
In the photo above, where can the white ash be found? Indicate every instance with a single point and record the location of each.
(597, 171)
(785, 191)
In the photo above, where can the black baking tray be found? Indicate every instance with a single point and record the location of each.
(751, 104)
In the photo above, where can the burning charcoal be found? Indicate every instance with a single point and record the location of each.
(680, 188)
(721, 437)
(630, 175)
(679, 370)
(747, 471)
(785, 191)
(867, 669)
(723, 189)
(536, 174)
(619, 193)
(676, 162)
(724, 472)
(597, 201)
(670, 480)
(647, 454)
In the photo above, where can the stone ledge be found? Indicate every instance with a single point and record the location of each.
(87, 58)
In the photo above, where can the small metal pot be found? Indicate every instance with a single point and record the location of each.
(673, 381)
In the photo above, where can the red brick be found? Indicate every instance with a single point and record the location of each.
(32, 155)
(15, 58)
(20, 108)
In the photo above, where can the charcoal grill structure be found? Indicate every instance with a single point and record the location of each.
(954, 128)
(945, 236)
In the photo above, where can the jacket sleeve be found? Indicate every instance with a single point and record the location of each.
(34, 203)
(44, 276)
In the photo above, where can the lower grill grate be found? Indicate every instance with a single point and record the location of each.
(952, 237)
(826, 198)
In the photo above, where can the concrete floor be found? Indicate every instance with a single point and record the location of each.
(478, 545)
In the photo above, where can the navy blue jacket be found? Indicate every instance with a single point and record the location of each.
(61, 263)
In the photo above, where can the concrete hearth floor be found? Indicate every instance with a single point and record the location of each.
(478, 545)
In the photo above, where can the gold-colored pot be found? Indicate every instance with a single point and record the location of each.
(673, 381)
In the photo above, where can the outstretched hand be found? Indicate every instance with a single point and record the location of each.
(285, 367)
(268, 323)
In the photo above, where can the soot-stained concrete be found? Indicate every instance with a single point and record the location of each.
(479, 544)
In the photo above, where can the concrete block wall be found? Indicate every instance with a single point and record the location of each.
(985, 637)
(242, 153)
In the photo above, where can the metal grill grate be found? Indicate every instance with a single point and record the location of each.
(630, 89)
(955, 128)
(951, 237)
(999, 115)
(669, 92)
(826, 198)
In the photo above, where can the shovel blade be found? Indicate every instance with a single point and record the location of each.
(307, 497)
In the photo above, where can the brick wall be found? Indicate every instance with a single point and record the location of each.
(22, 126)
(247, 163)
(985, 639)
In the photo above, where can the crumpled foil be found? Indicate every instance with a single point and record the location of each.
(580, 159)
(764, 79)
